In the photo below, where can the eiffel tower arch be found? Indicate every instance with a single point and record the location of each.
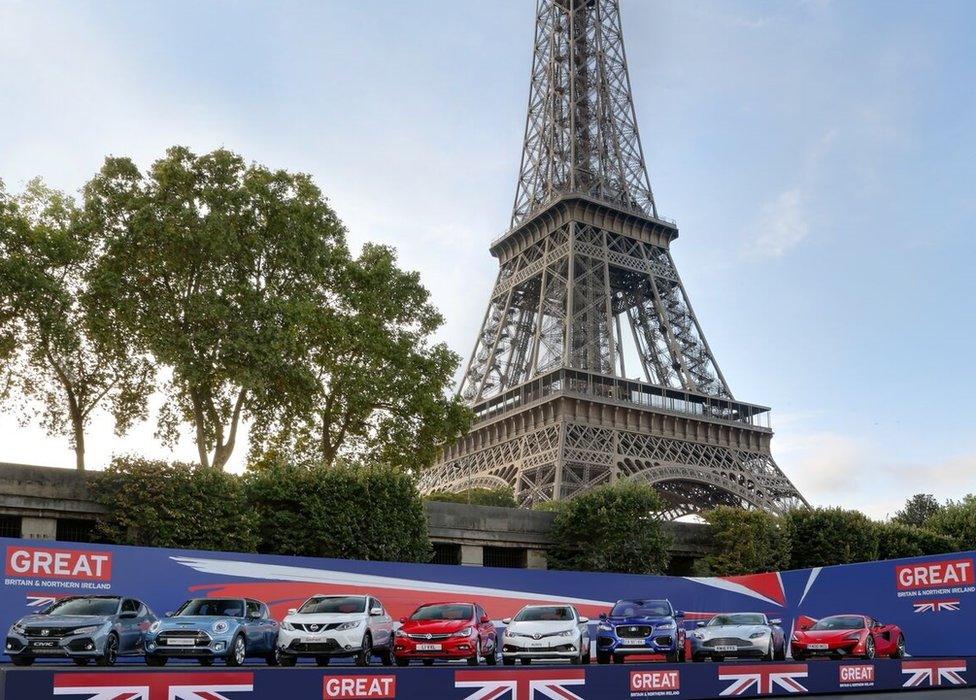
(590, 366)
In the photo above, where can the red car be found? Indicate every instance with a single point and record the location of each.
(445, 631)
(840, 636)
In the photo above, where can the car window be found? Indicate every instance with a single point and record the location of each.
(450, 611)
(556, 613)
(840, 622)
(642, 608)
(738, 619)
(333, 604)
(129, 605)
(85, 606)
(253, 607)
(216, 607)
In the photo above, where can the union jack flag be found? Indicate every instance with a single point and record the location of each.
(153, 686)
(936, 606)
(925, 672)
(42, 600)
(521, 685)
(763, 679)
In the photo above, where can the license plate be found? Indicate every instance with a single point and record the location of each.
(726, 648)
(179, 642)
(428, 647)
(632, 642)
(817, 646)
(535, 643)
(44, 645)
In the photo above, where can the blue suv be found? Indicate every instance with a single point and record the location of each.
(640, 627)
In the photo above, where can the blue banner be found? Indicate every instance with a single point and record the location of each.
(932, 599)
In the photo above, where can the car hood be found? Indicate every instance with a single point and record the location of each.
(65, 620)
(542, 627)
(195, 622)
(825, 635)
(324, 618)
(740, 631)
(434, 626)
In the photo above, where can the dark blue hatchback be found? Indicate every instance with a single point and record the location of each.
(640, 627)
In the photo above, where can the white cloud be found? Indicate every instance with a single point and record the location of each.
(782, 226)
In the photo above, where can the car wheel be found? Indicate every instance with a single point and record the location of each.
(274, 658)
(80, 661)
(869, 648)
(22, 660)
(770, 654)
(111, 652)
(799, 656)
(508, 660)
(476, 658)
(402, 662)
(780, 653)
(386, 656)
(205, 661)
(672, 657)
(322, 660)
(618, 658)
(156, 660)
(578, 659)
(900, 650)
(586, 657)
(428, 662)
(363, 657)
(237, 652)
(287, 660)
(602, 658)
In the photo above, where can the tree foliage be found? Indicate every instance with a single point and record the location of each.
(502, 497)
(897, 540)
(611, 528)
(957, 521)
(345, 512)
(918, 510)
(827, 536)
(53, 364)
(158, 504)
(745, 542)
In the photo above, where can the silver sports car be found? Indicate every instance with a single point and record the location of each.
(738, 635)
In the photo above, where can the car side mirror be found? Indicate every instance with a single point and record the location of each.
(603, 616)
(292, 611)
(403, 620)
(485, 619)
(803, 625)
(776, 621)
(128, 615)
(507, 621)
(584, 620)
(254, 615)
(700, 623)
(169, 614)
(375, 612)
(678, 614)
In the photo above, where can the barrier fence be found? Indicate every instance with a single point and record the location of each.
(680, 682)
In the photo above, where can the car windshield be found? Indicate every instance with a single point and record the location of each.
(839, 622)
(642, 608)
(216, 607)
(738, 619)
(85, 606)
(453, 611)
(561, 613)
(334, 604)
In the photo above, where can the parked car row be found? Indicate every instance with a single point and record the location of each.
(100, 629)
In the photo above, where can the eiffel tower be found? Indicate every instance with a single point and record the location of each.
(591, 366)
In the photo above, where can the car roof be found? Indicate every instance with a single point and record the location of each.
(643, 601)
(340, 595)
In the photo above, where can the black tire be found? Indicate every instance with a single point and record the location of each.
(780, 654)
(156, 661)
(578, 659)
(22, 660)
(869, 649)
(428, 662)
(386, 656)
(900, 651)
(618, 658)
(401, 662)
(366, 652)
(602, 658)
(475, 659)
(671, 658)
(526, 661)
(508, 660)
(111, 653)
(237, 652)
(586, 657)
(81, 661)
(491, 656)
(287, 660)
(205, 661)
(322, 660)
(770, 654)
(799, 656)
(274, 658)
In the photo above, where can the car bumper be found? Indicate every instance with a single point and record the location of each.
(546, 648)
(656, 644)
(754, 648)
(76, 646)
(841, 650)
(331, 643)
(216, 647)
(450, 648)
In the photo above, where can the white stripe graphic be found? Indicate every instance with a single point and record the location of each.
(732, 587)
(813, 577)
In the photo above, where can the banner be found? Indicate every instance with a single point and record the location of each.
(932, 599)
(618, 682)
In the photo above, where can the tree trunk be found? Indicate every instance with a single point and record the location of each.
(79, 431)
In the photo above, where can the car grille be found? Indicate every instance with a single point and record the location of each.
(727, 642)
(539, 636)
(329, 645)
(426, 637)
(316, 627)
(52, 632)
(633, 631)
(200, 639)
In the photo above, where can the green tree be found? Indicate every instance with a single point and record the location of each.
(918, 510)
(345, 511)
(158, 504)
(745, 542)
(897, 540)
(957, 520)
(216, 268)
(827, 536)
(611, 528)
(53, 365)
(380, 389)
(502, 497)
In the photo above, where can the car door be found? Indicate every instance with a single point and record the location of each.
(486, 631)
(270, 628)
(130, 633)
(883, 643)
(253, 626)
(583, 628)
(380, 626)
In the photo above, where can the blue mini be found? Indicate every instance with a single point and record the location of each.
(640, 627)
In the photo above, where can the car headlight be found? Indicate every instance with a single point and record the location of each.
(466, 632)
(567, 633)
(221, 626)
(154, 627)
(18, 628)
(666, 627)
(757, 635)
(697, 635)
(399, 633)
(87, 630)
(287, 626)
(349, 625)
(604, 628)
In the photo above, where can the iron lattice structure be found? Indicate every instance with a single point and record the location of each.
(587, 288)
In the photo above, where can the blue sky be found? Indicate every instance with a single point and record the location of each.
(819, 157)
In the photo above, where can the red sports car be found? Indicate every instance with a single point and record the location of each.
(841, 636)
(445, 631)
